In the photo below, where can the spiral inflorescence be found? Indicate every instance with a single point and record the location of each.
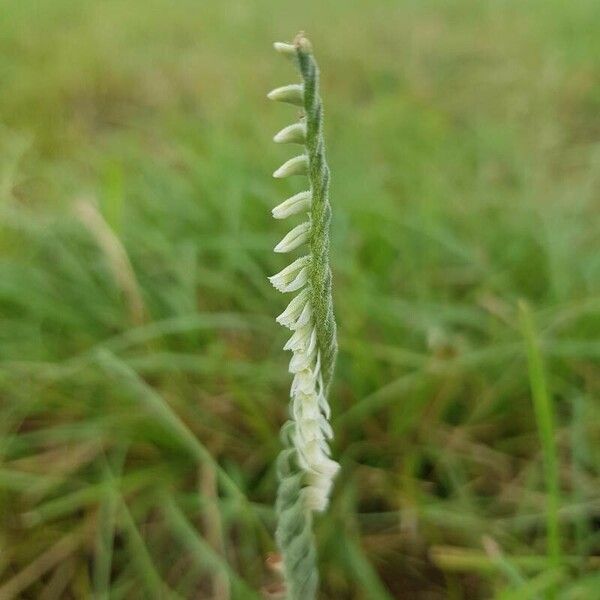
(306, 471)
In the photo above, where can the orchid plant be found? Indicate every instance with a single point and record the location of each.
(305, 468)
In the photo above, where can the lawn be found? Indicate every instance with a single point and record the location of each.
(142, 377)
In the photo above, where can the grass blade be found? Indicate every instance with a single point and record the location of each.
(545, 422)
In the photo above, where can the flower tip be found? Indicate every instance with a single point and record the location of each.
(280, 248)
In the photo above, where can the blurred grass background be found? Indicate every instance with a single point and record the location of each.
(142, 381)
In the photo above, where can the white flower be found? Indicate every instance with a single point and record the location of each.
(286, 49)
(295, 166)
(324, 406)
(296, 237)
(300, 361)
(293, 94)
(304, 381)
(295, 204)
(293, 277)
(300, 338)
(303, 359)
(316, 499)
(292, 134)
(304, 318)
(315, 460)
(320, 484)
(309, 415)
(294, 310)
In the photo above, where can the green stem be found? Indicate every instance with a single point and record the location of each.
(320, 275)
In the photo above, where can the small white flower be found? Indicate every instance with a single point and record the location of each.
(292, 134)
(295, 204)
(318, 490)
(304, 358)
(309, 430)
(296, 237)
(312, 342)
(300, 361)
(300, 338)
(319, 429)
(323, 465)
(294, 310)
(293, 277)
(293, 94)
(315, 460)
(286, 49)
(304, 381)
(304, 318)
(295, 166)
(315, 499)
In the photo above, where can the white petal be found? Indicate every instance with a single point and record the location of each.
(324, 406)
(294, 309)
(316, 460)
(329, 468)
(312, 343)
(300, 362)
(295, 166)
(304, 318)
(300, 281)
(304, 357)
(300, 339)
(297, 203)
(304, 383)
(309, 429)
(293, 277)
(326, 427)
(293, 94)
(296, 237)
(315, 499)
(292, 134)
(304, 410)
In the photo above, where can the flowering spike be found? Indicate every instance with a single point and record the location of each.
(305, 469)
(295, 166)
(292, 94)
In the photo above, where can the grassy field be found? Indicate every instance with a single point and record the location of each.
(142, 380)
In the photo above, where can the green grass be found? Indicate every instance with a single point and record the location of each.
(139, 357)
(544, 415)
